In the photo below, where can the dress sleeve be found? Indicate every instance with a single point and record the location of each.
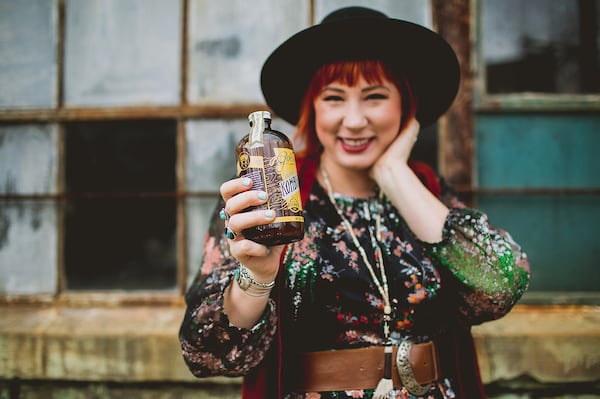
(210, 344)
(488, 268)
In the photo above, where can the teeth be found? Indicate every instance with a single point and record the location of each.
(356, 143)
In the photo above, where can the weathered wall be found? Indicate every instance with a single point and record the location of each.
(133, 352)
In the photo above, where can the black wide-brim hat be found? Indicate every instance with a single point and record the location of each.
(358, 33)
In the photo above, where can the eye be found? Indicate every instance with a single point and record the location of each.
(377, 96)
(332, 97)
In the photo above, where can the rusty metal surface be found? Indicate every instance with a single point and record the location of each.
(452, 21)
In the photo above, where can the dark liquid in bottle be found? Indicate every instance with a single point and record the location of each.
(271, 165)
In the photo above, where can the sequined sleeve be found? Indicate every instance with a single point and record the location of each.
(489, 269)
(210, 344)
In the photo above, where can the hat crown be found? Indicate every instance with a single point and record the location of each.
(351, 13)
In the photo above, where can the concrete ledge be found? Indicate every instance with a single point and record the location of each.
(557, 344)
(93, 344)
(140, 344)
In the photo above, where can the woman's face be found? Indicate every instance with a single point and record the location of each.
(356, 124)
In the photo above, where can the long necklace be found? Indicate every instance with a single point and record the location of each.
(385, 385)
(382, 286)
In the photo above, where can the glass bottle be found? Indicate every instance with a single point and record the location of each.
(267, 157)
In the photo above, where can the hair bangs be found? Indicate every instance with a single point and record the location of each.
(349, 72)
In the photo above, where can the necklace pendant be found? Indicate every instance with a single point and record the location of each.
(386, 330)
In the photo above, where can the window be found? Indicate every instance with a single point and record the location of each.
(120, 53)
(28, 220)
(120, 212)
(541, 46)
(118, 121)
(536, 126)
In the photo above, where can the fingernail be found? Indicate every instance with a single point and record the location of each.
(269, 213)
(262, 195)
(246, 182)
(268, 251)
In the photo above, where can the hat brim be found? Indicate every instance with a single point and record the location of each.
(408, 49)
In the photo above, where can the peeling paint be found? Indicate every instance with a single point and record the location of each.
(226, 47)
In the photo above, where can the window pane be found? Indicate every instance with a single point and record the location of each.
(122, 52)
(541, 46)
(558, 233)
(120, 244)
(28, 54)
(28, 247)
(121, 156)
(28, 159)
(126, 240)
(228, 45)
(28, 233)
(538, 151)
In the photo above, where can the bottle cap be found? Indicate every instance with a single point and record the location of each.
(257, 126)
(258, 115)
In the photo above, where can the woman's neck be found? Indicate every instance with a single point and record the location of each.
(350, 182)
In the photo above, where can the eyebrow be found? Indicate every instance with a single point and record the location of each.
(375, 87)
(366, 89)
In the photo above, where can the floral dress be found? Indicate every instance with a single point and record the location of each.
(474, 274)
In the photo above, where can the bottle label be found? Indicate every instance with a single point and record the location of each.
(252, 166)
(278, 177)
(285, 166)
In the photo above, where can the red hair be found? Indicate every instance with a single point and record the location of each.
(348, 73)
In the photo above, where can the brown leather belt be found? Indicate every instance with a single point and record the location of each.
(339, 370)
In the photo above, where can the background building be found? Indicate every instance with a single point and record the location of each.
(118, 120)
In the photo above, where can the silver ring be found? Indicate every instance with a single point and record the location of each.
(230, 234)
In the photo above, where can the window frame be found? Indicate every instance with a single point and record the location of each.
(61, 115)
(525, 101)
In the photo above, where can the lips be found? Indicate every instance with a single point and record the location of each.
(355, 145)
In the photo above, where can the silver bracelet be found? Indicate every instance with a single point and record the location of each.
(249, 284)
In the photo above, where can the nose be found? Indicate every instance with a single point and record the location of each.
(355, 117)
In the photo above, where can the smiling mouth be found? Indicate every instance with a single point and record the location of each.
(355, 143)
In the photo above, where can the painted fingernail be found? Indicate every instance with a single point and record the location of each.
(262, 195)
(246, 182)
(269, 213)
(223, 214)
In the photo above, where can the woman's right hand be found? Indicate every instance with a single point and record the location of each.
(261, 261)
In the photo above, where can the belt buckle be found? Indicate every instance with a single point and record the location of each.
(405, 371)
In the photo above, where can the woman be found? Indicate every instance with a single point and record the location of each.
(378, 298)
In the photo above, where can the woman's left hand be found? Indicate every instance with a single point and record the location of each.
(424, 213)
(399, 151)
